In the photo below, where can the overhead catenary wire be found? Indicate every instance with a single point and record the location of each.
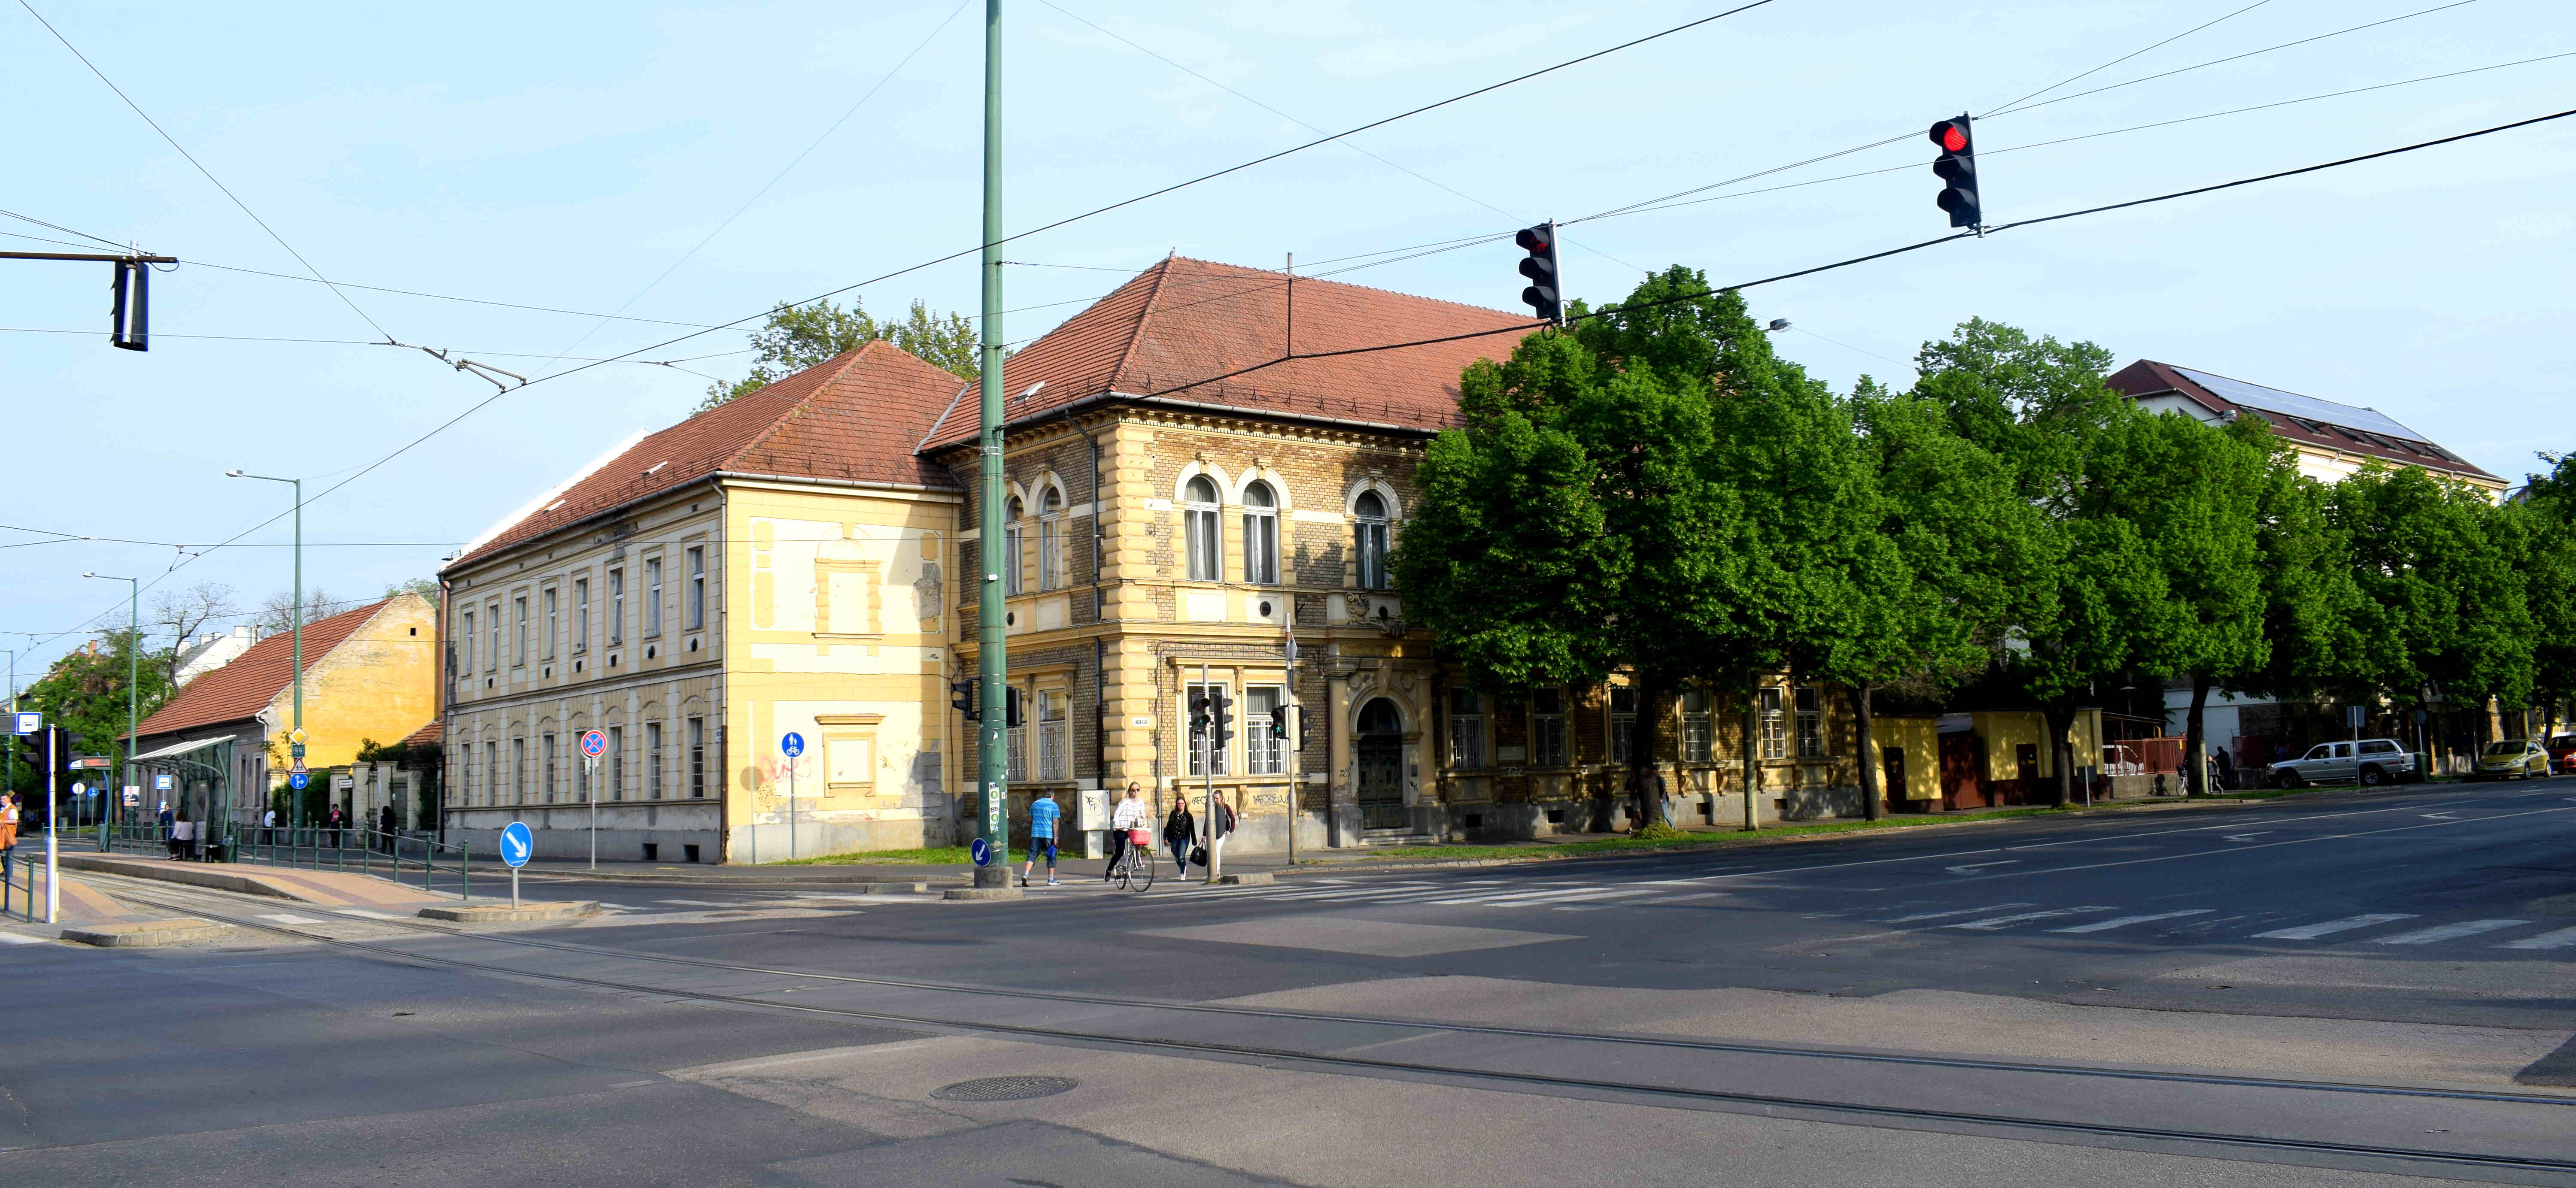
(2131, 54)
(2012, 110)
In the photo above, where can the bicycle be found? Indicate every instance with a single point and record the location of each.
(1134, 870)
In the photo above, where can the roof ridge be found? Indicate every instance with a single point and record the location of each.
(1312, 280)
(847, 360)
(1136, 334)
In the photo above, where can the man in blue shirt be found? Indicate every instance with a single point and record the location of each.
(1043, 814)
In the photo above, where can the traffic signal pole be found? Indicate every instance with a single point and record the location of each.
(992, 760)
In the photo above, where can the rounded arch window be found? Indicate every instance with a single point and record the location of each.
(1369, 540)
(1051, 538)
(1199, 527)
(1260, 535)
(1012, 513)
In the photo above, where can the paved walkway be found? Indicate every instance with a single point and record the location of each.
(322, 888)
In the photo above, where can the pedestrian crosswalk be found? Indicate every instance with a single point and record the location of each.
(2105, 921)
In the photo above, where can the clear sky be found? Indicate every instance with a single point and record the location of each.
(583, 156)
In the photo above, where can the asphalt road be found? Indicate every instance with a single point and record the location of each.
(2344, 989)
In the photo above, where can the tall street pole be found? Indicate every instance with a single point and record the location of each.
(133, 668)
(295, 738)
(992, 761)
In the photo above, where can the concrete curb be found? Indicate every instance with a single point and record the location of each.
(147, 933)
(214, 876)
(980, 893)
(1238, 880)
(502, 913)
(853, 881)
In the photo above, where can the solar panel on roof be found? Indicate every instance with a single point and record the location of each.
(2292, 404)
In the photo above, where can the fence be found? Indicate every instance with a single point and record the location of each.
(2142, 756)
(402, 857)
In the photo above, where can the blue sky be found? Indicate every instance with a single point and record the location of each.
(568, 155)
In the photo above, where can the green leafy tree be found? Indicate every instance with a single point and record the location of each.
(796, 337)
(84, 693)
(2549, 572)
(2445, 610)
(2314, 610)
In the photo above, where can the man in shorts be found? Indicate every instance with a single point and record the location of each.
(1043, 814)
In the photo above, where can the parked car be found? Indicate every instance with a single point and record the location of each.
(2371, 761)
(2513, 758)
(2562, 753)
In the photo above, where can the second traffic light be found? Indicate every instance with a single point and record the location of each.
(1957, 169)
(1221, 716)
(1545, 294)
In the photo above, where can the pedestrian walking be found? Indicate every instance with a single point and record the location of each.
(338, 821)
(1044, 812)
(1218, 830)
(1130, 814)
(387, 821)
(1179, 830)
(183, 832)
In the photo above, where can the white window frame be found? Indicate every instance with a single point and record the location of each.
(1263, 754)
(653, 782)
(580, 615)
(1810, 705)
(1771, 715)
(1547, 728)
(553, 619)
(1015, 744)
(1623, 724)
(1055, 735)
(616, 758)
(617, 606)
(1260, 534)
(465, 662)
(697, 587)
(1699, 727)
(1051, 520)
(1198, 755)
(1202, 529)
(1369, 531)
(652, 597)
(697, 743)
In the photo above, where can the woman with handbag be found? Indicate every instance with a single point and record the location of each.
(1179, 829)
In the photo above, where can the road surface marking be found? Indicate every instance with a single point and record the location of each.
(2243, 836)
(2564, 938)
(2125, 921)
(697, 903)
(368, 914)
(2426, 936)
(286, 918)
(2440, 816)
(1992, 907)
(1566, 896)
(2001, 921)
(11, 938)
(1966, 867)
(2348, 923)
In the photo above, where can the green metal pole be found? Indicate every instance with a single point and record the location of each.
(992, 763)
(133, 671)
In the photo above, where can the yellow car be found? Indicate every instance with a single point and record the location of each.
(2513, 757)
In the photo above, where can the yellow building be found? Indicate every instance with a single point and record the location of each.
(369, 673)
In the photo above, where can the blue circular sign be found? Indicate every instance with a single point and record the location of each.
(517, 844)
(593, 743)
(792, 745)
(983, 852)
(295, 780)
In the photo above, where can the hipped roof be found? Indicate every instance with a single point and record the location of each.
(242, 688)
(2147, 377)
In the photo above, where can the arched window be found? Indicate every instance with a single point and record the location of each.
(1260, 535)
(1051, 539)
(1010, 559)
(1370, 512)
(1199, 524)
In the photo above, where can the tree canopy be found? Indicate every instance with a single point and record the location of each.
(796, 337)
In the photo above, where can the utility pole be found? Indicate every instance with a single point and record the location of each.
(992, 762)
(11, 787)
(1216, 728)
(294, 738)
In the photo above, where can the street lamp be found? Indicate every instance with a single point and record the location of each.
(133, 651)
(295, 739)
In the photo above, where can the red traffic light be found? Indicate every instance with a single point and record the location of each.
(1950, 136)
(1532, 239)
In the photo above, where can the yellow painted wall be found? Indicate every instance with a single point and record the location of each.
(2003, 729)
(1919, 738)
(381, 683)
(832, 632)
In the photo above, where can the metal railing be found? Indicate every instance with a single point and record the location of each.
(398, 856)
(11, 897)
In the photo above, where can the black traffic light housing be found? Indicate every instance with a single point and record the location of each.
(1279, 721)
(966, 696)
(1957, 169)
(1011, 716)
(1221, 715)
(1545, 294)
(1199, 716)
(130, 321)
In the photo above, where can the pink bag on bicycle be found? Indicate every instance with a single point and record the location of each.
(1138, 837)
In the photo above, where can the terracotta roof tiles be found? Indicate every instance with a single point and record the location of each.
(245, 686)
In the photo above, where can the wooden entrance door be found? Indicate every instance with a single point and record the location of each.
(1962, 779)
(1377, 753)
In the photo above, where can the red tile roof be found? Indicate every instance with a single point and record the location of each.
(426, 735)
(1177, 326)
(857, 415)
(245, 686)
(2146, 377)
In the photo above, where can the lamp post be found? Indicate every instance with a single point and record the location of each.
(133, 653)
(295, 620)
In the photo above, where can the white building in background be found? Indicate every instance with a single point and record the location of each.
(213, 650)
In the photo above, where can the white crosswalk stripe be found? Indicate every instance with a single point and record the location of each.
(2347, 924)
(1992, 907)
(2004, 921)
(2564, 938)
(11, 938)
(2443, 932)
(2125, 921)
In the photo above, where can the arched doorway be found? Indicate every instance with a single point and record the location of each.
(1377, 754)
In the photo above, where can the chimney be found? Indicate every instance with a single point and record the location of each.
(246, 633)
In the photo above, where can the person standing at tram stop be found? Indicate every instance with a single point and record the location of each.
(1130, 814)
(8, 829)
(1043, 814)
(1180, 829)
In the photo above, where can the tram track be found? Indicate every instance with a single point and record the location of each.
(1494, 1077)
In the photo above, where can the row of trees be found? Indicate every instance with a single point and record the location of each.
(1655, 491)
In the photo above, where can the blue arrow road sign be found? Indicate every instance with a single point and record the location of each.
(983, 851)
(516, 844)
(792, 745)
(297, 780)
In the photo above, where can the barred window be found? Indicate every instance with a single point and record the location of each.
(1015, 744)
(1623, 721)
(1264, 753)
(1547, 727)
(1055, 736)
(697, 757)
(1466, 729)
(1698, 727)
(1198, 745)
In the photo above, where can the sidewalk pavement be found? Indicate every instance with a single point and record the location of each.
(904, 876)
(321, 888)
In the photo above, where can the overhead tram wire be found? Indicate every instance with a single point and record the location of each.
(2125, 57)
(2009, 109)
(201, 168)
(1609, 310)
(772, 183)
(65, 230)
(628, 356)
(1354, 147)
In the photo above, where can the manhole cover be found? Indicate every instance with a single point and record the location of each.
(1003, 1088)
